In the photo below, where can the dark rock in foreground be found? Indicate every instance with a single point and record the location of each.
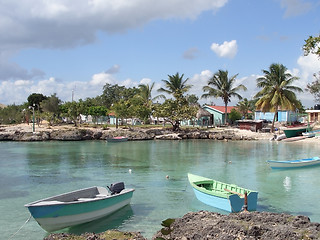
(111, 234)
(245, 225)
(206, 225)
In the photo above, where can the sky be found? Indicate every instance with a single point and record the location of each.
(73, 48)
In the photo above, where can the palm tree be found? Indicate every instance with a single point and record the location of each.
(145, 92)
(175, 85)
(178, 108)
(145, 95)
(222, 86)
(277, 90)
(244, 107)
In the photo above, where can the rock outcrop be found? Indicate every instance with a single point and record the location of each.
(245, 225)
(83, 133)
(206, 225)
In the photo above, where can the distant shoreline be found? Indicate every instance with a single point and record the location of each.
(44, 132)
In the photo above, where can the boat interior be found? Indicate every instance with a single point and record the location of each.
(222, 187)
(82, 195)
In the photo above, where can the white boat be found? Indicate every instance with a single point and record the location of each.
(307, 162)
(117, 139)
(80, 206)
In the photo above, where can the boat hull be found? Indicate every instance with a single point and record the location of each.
(226, 201)
(231, 204)
(117, 139)
(55, 215)
(294, 132)
(293, 139)
(308, 162)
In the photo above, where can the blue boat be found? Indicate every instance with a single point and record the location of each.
(80, 206)
(307, 162)
(228, 197)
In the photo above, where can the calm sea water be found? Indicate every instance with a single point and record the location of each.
(34, 170)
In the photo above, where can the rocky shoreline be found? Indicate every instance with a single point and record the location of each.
(210, 225)
(23, 132)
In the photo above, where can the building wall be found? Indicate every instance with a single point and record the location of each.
(218, 118)
(313, 115)
(283, 116)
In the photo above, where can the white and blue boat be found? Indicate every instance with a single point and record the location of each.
(80, 206)
(228, 197)
(307, 162)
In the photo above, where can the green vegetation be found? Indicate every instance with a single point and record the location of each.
(177, 109)
(222, 86)
(177, 105)
(277, 91)
(167, 228)
(312, 46)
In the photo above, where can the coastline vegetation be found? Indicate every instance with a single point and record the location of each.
(277, 91)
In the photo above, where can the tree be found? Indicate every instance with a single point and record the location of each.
(192, 99)
(222, 86)
(175, 86)
(97, 111)
(145, 107)
(13, 114)
(312, 45)
(72, 110)
(113, 94)
(36, 99)
(277, 91)
(51, 107)
(314, 87)
(244, 107)
(178, 109)
(234, 115)
(174, 111)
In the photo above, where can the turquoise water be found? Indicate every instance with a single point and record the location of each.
(34, 170)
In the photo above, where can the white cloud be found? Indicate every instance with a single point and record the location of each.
(295, 7)
(38, 22)
(225, 50)
(114, 69)
(100, 79)
(146, 81)
(308, 65)
(191, 53)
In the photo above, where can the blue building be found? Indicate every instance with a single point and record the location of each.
(283, 116)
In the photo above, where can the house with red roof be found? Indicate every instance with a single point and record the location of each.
(217, 114)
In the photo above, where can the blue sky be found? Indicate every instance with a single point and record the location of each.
(56, 46)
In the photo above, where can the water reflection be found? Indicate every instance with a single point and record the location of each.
(113, 221)
(287, 183)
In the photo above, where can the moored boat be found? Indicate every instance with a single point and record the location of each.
(307, 162)
(293, 139)
(296, 131)
(117, 139)
(228, 197)
(311, 133)
(80, 206)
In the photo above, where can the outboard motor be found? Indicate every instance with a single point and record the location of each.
(116, 187)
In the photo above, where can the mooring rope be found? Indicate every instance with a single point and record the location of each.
(20, 227)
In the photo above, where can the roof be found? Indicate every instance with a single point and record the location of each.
(202, 113)
(221, 109)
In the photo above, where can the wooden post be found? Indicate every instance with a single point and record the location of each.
(245, 206)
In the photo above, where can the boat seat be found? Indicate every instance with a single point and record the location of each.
(86, 199)
(47, 203)
(102, 195)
